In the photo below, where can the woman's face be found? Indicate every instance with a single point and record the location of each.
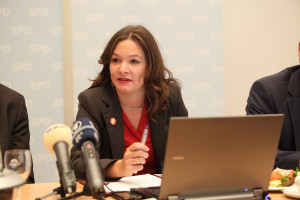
(128, 67)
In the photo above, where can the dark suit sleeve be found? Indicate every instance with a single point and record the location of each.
(181, 109)
(260, 101)
(287, 159)
(178, 108)
(20, 130)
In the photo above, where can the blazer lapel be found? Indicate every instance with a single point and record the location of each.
(294, 105)
(116, 131)
(114, 123)
(158, 136)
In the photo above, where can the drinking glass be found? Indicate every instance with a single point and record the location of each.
(18, 160)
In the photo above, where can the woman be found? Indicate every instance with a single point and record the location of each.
(130, 93)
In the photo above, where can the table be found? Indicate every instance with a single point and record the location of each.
(279, 196)
(33, 191)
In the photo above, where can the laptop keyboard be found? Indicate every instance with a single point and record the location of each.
(149, 192)
(154, 191)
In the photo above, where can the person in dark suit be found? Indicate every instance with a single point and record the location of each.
(280, 93)
(130, 93)
(14, 128)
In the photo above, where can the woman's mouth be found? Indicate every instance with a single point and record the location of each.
(123, 80)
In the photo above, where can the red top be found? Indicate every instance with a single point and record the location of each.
(131, 135)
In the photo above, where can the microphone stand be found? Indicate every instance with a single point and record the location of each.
(59, 190)
(86, 192)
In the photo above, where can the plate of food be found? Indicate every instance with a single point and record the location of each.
(282, 178)
(292, 191)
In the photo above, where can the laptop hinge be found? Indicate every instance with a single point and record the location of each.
(173, 197)
(255, 194)
(258, 193)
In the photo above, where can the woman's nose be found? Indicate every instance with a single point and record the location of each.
(123, 67)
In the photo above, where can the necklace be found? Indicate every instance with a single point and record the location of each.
(132, 108)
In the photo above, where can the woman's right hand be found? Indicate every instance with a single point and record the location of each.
(133, 161)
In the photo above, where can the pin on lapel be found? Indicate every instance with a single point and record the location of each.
(113, 121)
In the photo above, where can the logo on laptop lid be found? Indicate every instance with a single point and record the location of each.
(178, 157)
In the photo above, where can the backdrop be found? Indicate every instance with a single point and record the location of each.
(189, 34)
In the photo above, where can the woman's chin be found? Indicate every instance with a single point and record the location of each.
(123, 90)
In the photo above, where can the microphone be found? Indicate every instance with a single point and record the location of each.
(58, 140)
(85, 138)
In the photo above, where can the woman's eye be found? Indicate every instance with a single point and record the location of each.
(135, 61)
(115, 60)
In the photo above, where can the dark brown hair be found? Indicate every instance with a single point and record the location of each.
(156, 87)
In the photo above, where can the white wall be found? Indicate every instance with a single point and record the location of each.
(260, 38)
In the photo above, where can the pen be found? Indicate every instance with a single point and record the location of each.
(144, 137)
(145, 134)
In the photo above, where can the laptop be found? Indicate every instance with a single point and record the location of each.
(218, 157)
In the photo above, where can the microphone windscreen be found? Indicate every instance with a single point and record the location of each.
(83, 130)
(57, 133)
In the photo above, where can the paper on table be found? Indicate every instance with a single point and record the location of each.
(125, 183)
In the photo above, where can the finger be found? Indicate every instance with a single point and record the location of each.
(134, 161)
(138, 146)
(134, 154)
(140, 153)
(132, 165)
(138, 168)
(138, 161)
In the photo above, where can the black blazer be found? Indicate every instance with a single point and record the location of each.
(101, 104)
(280, 93)
(14, 128)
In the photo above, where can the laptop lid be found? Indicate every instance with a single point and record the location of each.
(220, 155)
